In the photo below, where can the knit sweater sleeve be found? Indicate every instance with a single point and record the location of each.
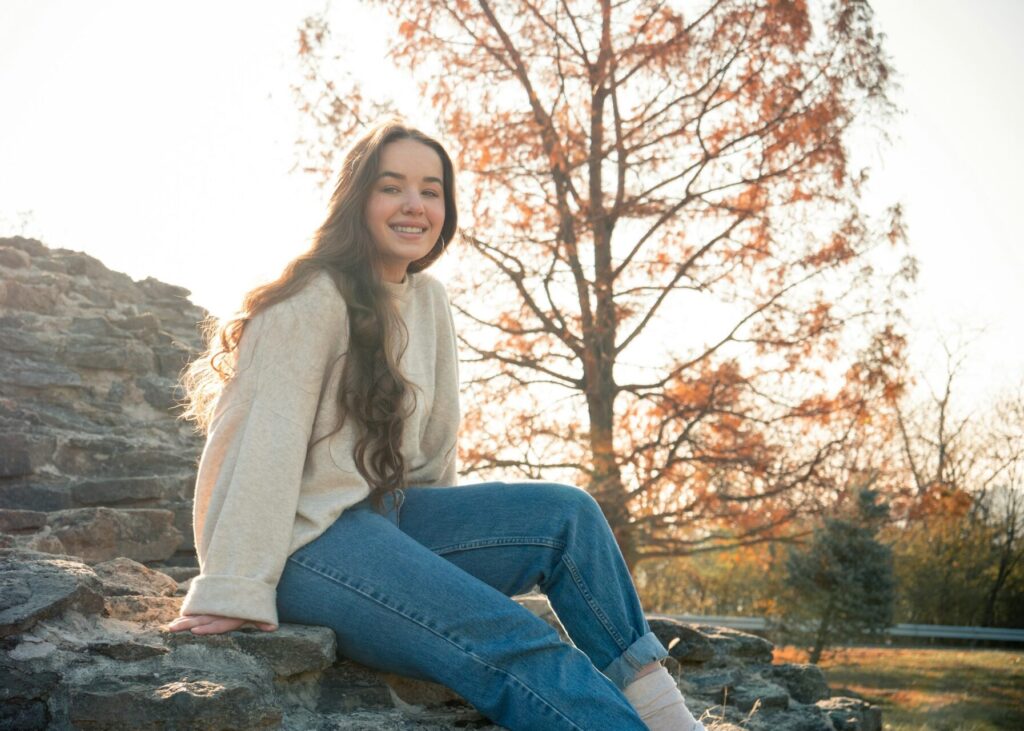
(250, 473)
(450, 475)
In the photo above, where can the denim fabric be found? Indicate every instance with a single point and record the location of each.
(424, 590)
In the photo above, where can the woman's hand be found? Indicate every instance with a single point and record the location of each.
(212, 624)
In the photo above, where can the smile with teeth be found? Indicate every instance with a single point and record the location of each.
(409, 229)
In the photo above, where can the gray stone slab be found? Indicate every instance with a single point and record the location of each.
(35, 586)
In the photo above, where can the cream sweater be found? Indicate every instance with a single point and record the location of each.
(262, 492)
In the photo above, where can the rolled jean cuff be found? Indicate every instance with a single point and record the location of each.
(644, 651)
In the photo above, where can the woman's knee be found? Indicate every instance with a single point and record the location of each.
(569, 502)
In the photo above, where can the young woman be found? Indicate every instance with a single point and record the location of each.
(324, 493)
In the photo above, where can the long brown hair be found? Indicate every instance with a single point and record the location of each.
(372, 387)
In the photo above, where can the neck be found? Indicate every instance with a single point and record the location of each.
(393, 275)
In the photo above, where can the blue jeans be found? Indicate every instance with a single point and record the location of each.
(424, 591)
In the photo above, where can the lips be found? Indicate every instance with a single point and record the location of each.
(408, 231)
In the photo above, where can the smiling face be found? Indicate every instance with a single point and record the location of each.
(405, 208)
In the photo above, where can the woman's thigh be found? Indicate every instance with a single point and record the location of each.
(387, 598)
(394, 604)
(508, 534)
(397, 606)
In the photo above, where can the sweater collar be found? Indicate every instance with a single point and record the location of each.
(402, 289)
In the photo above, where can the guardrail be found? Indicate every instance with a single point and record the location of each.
(945, 631)
(922, 631)
(755, 624)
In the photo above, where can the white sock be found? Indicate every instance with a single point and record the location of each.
(657, 699)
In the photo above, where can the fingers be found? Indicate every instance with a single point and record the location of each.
(206, 624)
(180, 624)
(217, 625)
(196, 623)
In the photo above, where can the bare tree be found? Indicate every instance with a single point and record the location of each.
(1001, 500)
(964, 519)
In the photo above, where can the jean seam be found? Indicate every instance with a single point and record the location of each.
(577, 578)
(336, 579)
(507, 541)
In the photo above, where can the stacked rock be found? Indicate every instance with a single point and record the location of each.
(84, 647)
(729, 679)
(94, 463)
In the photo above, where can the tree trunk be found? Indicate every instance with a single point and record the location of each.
(989, 617)
(629, 547)
(822, 637)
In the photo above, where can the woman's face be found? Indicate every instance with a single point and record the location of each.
(405, 209)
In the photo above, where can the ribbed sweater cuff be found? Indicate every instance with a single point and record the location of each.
(232, 596)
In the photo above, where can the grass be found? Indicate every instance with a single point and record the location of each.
(926, 689)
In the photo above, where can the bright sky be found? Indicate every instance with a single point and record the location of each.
(159, 138)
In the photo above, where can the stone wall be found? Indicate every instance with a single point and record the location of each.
(92, 460)
(96, 478)
(84, 647)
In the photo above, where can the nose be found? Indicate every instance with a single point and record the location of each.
(413, 203)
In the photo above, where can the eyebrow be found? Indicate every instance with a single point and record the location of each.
(389, 174)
